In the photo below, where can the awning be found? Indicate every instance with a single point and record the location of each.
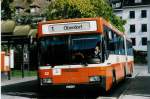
(21, 30)
(7, 26)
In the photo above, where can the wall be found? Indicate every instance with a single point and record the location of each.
(137, 21)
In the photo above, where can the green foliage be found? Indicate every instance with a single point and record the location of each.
(62, 9)
(18, 73)
(118, 22)
(6, 11)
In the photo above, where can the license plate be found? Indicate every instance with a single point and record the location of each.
(70, 86)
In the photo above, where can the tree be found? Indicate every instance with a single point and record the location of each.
(6, 11)
(62, 9)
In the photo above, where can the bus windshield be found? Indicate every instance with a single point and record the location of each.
(69, 49)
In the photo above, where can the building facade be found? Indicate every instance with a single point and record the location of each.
(137, 15)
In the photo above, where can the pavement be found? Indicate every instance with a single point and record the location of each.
(139, 88)
(15, 80)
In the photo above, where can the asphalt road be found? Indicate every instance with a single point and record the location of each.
(29, 90)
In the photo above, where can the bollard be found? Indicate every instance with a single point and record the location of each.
(22, 70)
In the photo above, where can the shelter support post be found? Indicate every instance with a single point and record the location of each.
(22, 66)
(9, 72)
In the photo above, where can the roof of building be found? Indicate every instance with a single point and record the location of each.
(112, 1)
(119, 4)
(35, 4)
(136, 2)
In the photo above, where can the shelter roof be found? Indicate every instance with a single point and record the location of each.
(7, 26)
(21, 30)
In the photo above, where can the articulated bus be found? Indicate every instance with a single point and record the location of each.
(82, 52)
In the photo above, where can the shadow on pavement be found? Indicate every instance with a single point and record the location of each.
(30, 90)
(24, 89)
(140, 86)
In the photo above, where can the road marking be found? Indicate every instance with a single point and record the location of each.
(106, 97)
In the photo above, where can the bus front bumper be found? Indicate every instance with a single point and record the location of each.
(89, 85)
(75, 87)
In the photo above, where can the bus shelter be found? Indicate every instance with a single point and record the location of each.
(17, 38)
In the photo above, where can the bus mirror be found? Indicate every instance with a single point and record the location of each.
(110, 35)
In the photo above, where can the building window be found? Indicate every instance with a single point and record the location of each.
(132, 14)
(143, 14)
(144, 28)
(19, 10)
(133, 41)
(132, 28)
(120, 17)
(144, 41)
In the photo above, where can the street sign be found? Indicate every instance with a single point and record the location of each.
(83, 26)
(11, 58)
(25, 55)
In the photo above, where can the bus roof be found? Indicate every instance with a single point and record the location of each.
(74, 26)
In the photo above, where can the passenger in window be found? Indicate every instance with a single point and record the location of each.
(98, 54)
(97, 51)
(95, 57)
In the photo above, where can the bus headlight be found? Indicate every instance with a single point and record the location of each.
(94, 78)
(46, 80)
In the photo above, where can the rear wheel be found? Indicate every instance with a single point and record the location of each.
(125, 72)
(131, 71)
(114, 78)
(103, 91)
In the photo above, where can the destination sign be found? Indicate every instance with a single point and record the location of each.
(83, 26)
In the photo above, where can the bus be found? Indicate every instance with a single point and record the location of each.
(82, 52)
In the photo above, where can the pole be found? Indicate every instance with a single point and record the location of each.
(22, 66)
(148, 54)
(9, 72)
(28, 59)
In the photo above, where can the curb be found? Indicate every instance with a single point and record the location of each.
(17, 80)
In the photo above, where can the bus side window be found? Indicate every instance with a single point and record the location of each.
(116, 41)
(106, 43)
(122, 48)
(111, 45)
(129, 48)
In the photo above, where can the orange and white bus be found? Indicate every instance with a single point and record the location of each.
(82, 52)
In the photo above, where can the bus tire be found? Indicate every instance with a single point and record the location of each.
(131, 71)
(114, 81)
(125, 73)
(103, 91)
(40, 88)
